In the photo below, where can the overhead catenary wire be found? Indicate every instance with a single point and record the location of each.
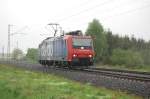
(86, 10)
(83, 4)
(122, 13)
(92, 8)
(120, 6)
(128, 11)
(74, 7)
(116, 7)
(20, 30)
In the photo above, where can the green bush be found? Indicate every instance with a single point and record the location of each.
(32, 54)
(126, 57)
(146, 56)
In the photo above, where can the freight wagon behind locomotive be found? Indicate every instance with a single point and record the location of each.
(72, 49)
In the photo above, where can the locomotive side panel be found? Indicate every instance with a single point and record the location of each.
(59, 49)
(53, 49)
(49, 49)
(42, 53)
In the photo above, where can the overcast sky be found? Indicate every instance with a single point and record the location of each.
(123, 17)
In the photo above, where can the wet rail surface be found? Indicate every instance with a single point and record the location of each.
(90, 76)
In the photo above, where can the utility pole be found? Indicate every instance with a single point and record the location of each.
(8, 46)
(11, 34)
(3, 48)
(17, 44)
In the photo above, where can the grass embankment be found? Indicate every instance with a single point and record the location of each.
(23, 84)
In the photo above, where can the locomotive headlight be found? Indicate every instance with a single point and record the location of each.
(74, 55)
(90, 56)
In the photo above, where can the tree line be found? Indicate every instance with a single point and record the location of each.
(118, 50)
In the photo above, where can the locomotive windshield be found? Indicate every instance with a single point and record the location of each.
(82, 42)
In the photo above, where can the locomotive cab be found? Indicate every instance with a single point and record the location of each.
(82, 53)
(80, 49)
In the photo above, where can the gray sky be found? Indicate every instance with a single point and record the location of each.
(131, 17)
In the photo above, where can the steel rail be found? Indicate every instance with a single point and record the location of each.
(121, 74)
(123, 71)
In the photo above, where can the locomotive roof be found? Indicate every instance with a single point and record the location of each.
(77, 36)
(49, 38)
(65, 36)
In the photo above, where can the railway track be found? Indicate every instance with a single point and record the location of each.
(125, 74)
(121, 74)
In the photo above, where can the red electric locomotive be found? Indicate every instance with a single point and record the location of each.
(72, 49)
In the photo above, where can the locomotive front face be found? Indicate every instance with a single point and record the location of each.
(82, 50)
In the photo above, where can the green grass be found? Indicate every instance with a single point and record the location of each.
(23, 84)
(143, 68)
